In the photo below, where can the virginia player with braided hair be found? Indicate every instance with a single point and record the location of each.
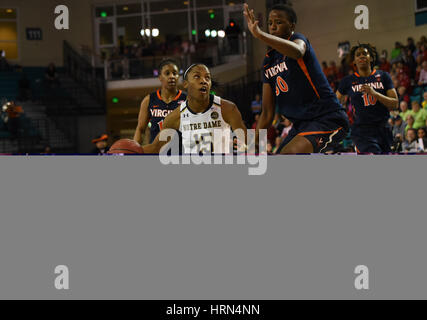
(373, 96)
(157, 105)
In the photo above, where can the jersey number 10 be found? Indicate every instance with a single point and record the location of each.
(369, 100)
(160, 124)
(281, 86)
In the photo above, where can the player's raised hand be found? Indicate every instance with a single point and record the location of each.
(253, 24)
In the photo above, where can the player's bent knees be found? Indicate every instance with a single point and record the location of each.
(298, 145)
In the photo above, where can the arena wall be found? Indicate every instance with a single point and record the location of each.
(40, 14)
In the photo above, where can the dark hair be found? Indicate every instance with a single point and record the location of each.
(215, 84)
(288, 10)
(371, 49)
(191, 68)
(166, 62)
(414, 130)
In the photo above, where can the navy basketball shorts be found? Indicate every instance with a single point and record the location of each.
(325, 133)
(376, 139)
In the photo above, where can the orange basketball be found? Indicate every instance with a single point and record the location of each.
(126, 146)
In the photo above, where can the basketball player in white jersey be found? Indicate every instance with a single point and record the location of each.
(200, 116)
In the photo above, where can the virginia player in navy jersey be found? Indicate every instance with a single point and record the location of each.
(373, 96)
(156, 106)
(294, 79)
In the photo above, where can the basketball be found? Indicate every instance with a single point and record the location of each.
(126, 146)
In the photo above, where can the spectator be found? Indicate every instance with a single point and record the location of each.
(410, 144)
(422, 81)
(403, 96)
(420, 115)
(422, 139)
(410, 122)
(384, 63)
(403, 75)
(24, 90)
(256, 105)
(404, 110)
(51, 77)
(410, 63)
(424, 103)
(399, 128)
(396, 53)
(410, 44)
(101, 145)
(422, 54)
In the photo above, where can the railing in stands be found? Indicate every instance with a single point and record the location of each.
(242, 91)
(83, 72)
(211, 54)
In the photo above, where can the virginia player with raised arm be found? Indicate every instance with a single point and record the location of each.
(294, 79)
(373, 96)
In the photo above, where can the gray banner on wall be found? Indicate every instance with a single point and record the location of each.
(132, 228)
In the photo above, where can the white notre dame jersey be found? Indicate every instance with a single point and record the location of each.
(205, 132)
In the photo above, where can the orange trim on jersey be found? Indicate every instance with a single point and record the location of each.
(174, 99)
(317, 132)
(268, 53)
(304, 69)
(358, 75)
(178, 95)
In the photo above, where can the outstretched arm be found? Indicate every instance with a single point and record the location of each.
(293, 49)
(143, 119)
(172, 121)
